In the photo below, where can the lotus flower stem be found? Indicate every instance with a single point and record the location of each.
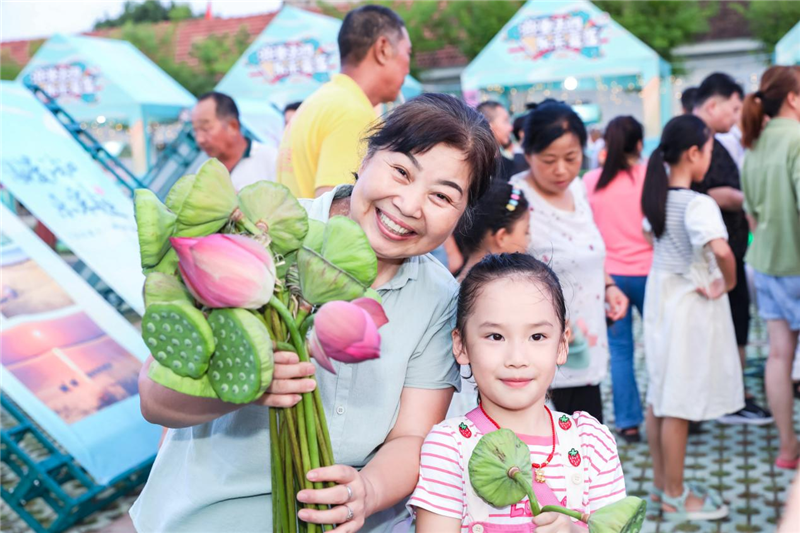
(297, 458)
(283, 346)
(323, 422)
(515, 474)
(291, 508)
(302, 314)
(308, 407)
(279, 519)
(245, 224)
(304, 450)
(583, 517)
(306, 325)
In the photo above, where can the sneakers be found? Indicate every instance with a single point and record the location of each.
(752, 414)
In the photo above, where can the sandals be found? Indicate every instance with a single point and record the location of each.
(630, 435)
(654, 500)
(713, 506)
(786, 464)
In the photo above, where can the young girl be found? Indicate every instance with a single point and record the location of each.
(510, 329)
(615, 195)
(693, 365)
(500, 223)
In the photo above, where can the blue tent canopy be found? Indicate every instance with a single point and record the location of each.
(91, 77)
(787, 51)
(295, 54)
(547, 43)
(107, 79)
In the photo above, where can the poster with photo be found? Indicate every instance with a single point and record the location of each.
(69, 360)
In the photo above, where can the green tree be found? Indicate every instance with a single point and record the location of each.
(147, 11)
(770, 20)
(662, 24)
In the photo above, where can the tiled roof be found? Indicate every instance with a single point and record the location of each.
(187, 32)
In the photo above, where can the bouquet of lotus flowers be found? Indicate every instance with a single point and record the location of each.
(229, 279)
(500, 473)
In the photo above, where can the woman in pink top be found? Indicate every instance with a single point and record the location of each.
(615, 194)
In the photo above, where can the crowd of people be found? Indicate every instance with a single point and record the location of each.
(541, 264)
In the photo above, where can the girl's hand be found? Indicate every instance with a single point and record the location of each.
(556, 523)
(714, 291)
(285, 389)
(354, 502)
(617, 303)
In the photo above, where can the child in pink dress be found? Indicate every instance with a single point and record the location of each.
(511, 330)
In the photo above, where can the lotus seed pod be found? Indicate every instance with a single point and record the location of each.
(179, 338)
(177, 194)
(209, 201)
(272, 203)
(497, 456)
(322, 282)
(624, 516)
(154, 225)
(168, 264)
(346, 245)
(160, 288)
(313, 240)
(241, 367)
(199, 387)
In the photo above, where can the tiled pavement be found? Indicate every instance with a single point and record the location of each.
(737, 460)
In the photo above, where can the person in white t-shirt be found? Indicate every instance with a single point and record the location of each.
(218, 132)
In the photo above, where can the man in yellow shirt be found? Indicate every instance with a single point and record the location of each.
(321, 147)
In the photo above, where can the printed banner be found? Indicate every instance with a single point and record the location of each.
(68, 358)
(57, 181)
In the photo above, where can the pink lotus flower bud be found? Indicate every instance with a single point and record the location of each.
(226, 270)
(347, 332)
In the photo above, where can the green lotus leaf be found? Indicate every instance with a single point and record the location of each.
(322, 282)
(346, 245)
(316, 231)
(273, 203)
(241, 367)
(155, 224)
(177, 194)
(162, 288)
(179, 337)
(494, 457)
(200, 387)
(168, 264)
(624, 516)
(209, 200)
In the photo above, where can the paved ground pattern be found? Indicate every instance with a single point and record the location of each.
(736, 460)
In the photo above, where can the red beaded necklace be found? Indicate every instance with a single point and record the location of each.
(537, 467)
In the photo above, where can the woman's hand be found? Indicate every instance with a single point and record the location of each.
(617, 303)
(349, 508)
(556, 523)
(285, 389)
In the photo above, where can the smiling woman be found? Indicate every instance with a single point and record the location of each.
(428, 164)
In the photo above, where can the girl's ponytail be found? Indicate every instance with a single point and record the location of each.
(752, 118)
(654, 194)
(680, 134)
(623, 135)
(776, 84)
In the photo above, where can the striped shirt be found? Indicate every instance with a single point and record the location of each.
(442, 489)
(693, 219)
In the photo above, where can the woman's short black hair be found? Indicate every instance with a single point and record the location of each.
(432, 119)
(548, 122)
